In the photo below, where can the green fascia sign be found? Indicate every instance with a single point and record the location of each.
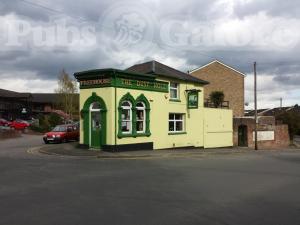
(121, 80)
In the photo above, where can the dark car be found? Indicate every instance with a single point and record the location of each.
(4, 123)
(62, 133)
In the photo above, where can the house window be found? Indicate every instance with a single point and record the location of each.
(176, 122)
(174, 90)
(126, 117)
(140, 117)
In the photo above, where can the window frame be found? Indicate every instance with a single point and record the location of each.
(173, 88)
(174, 120)
(130, 116)
(146, 125)
(143, 108)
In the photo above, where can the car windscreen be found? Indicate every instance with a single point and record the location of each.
(59, 129)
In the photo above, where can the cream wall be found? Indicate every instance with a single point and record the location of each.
(218, 128)
(204, 127)
(161, 106)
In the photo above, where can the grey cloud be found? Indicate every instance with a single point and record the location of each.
(288, 79)
(284, 65)
(287, 8)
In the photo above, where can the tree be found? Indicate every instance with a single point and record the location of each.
(54, 119)
(67, 88)
(217, 98)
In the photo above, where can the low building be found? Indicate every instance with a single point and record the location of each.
(148, 106)
(269, 135)
(15, 105)
(222, 77)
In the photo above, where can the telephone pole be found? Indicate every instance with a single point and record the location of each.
(255, 107)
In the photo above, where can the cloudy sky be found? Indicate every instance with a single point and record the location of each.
(39, 38)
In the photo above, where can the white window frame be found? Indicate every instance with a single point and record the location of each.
(172, 88)
(143, 108)
(130, 117)
(174, 120)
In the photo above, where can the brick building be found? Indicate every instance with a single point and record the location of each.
(224, 78)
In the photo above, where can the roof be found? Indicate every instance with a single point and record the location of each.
(13, 94)
(46, 97)
(154, 67)
(90, 73)
(274, 111)
(252, 112)
(34, 97)
(223, 64)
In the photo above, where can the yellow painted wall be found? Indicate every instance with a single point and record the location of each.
(161, 106)
(107, 94)
(218, 128)
(204, 127)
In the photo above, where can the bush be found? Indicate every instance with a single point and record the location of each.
(54, 119)
(292, 119)
(217, 98)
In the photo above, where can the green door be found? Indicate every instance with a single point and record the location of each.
(96, 130)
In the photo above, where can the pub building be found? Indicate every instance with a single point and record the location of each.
(148, 106)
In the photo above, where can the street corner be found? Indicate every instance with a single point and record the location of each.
(64, 150)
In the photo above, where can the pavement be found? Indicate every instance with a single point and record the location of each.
(71, 149)
(250, 188)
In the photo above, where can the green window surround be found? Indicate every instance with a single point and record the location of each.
(141, 98)
(176, 133)
(174, 100)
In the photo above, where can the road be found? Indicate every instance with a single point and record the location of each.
(260, 188)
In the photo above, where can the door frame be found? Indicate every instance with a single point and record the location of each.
(86, 119)
(90, 122)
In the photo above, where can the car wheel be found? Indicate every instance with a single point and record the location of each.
(46, 142)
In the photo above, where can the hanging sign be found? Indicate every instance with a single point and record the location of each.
(193, 99)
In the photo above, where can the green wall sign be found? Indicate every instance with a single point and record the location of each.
(149, 85)
(142, 84)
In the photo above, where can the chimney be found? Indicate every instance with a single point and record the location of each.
(153, 66)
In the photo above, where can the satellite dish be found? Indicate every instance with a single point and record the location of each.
(246, 103)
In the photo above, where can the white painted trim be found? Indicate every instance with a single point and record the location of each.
(216, 61)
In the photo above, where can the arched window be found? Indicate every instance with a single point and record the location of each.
(140, 117)
(126, 117)
(134, 116)
(95, 106)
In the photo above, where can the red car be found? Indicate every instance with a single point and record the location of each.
(4, 123)
(19, 124)
(62, 133)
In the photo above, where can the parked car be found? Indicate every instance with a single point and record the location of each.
(19, 124)
(4, 123)
(62, 133)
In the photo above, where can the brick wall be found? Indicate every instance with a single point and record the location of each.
(281, 133)
(222, 78)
